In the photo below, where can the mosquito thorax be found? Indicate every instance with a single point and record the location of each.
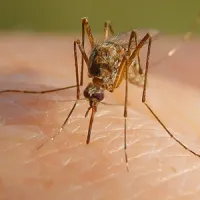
(103, 59)
(94, 93)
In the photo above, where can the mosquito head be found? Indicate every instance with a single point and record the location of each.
(94, 94)
(103, 58)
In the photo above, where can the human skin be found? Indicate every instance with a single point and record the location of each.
(67, 168)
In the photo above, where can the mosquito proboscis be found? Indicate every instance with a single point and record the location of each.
(109, 63)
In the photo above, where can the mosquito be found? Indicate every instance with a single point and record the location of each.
(110, 61)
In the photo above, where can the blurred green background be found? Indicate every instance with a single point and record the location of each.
(170, 16)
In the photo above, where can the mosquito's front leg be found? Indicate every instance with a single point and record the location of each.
(58, 89)
(85, 26)
(77, 93)
(84, 55)
(37, 92)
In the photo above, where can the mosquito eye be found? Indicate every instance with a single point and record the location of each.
(95, 69)
(99, 96)
(92, 92)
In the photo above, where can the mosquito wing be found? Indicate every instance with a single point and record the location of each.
(123, 38)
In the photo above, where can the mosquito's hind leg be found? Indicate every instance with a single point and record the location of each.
(123, 71)
(77, 98)
(107, 28)
(150, 109)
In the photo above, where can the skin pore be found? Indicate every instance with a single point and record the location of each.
(67, 168)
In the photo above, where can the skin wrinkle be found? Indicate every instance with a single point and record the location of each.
(149, 153)
(169, 177)
(69, 163)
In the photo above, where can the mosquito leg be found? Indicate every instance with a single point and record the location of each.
(134, 36)
(119, 77)
(123, 70)
(124, 66)
(61, 128)
(81, 48)
(85, 25)
(38, 92)
(58, 89)
(77, 98)
(125, 118)
(85, 57)
(126, 62)
(137, 49)
(107, 28)
(83, 44)
(153, 113)
(146, 71)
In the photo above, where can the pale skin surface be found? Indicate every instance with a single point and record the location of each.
(67, 168)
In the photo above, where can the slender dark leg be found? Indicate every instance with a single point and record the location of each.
(137, 49)
(38, 92)
(57, 89)
(83, 44)
(85, 25)
(134, 36)
(153, 113)
(85, 57)
(125, 118)
(125, 63)
(77, 98)
(129, 61)
(107, 28)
